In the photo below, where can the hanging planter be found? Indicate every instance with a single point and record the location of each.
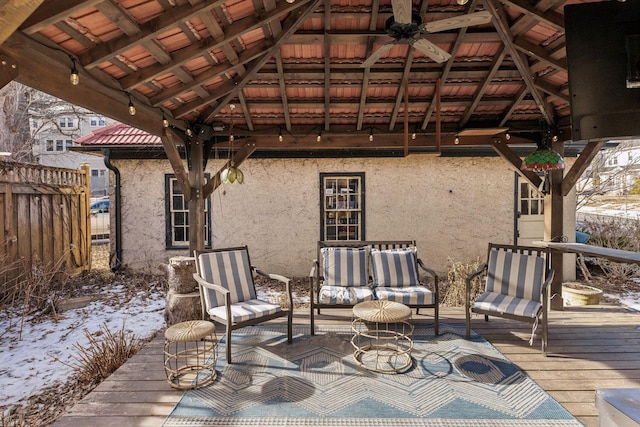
(575, 293)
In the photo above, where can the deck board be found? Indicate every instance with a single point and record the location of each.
(589, 348)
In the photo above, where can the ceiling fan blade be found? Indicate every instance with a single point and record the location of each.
(401, 11)
(377, 55)
(431, 50)
(465, 20)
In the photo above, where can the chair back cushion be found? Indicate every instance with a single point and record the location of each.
(514, 274)
(343, 266)
(229, 269)
(394, 268)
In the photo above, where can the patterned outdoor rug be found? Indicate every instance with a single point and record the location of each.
(315, 381)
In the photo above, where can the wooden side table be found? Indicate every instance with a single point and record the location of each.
(190, 354)
(382, 336)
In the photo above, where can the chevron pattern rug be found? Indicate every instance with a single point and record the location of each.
(315, 381)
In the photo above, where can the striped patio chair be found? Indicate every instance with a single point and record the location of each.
(228, 293)
(516, 287)
(396, 278)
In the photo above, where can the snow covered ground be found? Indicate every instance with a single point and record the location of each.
(31, 363)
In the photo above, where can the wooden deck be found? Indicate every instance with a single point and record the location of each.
(590, 347)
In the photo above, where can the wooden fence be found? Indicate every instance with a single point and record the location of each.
(44, 214)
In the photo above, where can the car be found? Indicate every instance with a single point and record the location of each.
(99, 206)
(99, 218)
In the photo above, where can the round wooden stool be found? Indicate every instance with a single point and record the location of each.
(190, 354)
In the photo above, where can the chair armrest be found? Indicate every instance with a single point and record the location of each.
(211, 286)
(433, 274)
(282, 279)
(470, 277)
(550, 274)
(314, 268)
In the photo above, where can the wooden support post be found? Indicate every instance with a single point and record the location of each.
(196, 203)
(555, 231)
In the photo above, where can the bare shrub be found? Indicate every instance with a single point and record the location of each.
(105, 353)
(615, 233)
(457, 277)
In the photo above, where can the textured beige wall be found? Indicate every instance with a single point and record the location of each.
(452, 206)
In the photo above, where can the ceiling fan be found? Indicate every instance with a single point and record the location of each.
(406, 26)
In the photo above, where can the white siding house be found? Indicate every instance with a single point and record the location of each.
(53, 142)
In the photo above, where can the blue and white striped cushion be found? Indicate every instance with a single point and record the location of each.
(246, 310)
(516, 275)
(337, 295)
(231, 270)
(408, 295)
(394, 268)
(501, 303)
(345, 266)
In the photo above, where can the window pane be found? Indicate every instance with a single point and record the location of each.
(177, 203)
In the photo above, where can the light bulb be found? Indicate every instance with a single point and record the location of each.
(371, 135)
(189, 132)
(456, 141)
(280, 137)
(462, 2)
(507, 136)
(231, 138)
(165, 123)
(319, 137)
(132, 108)
(74, 78)
(413, 135)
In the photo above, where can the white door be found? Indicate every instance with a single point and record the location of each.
(529, 213)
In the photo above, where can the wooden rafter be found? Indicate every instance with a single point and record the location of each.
(327, 67)
(500, 22)
(13, 14)
(291, 24)
(170, 143)
(580, 165)
(449, 64)
(283, 92)
(515, 161)
(240, 156)
(482, 87)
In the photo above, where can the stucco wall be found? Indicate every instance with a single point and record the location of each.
(451, 206)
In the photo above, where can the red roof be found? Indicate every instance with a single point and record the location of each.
(118, 134)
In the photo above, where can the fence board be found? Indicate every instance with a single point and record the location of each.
(44, 213)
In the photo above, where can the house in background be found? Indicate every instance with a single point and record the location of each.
(54, 133)
(452, 206)
(615, 171)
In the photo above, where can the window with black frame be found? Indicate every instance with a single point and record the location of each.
(342, 206)
(177, 216)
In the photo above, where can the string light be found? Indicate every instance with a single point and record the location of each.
(413, 135)
(456, 141)
(189, 132)
(165, 122)
(371, 135)
(319, 137)
(132, 108)
(280, 137)
(74, 78)
(507, 136)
